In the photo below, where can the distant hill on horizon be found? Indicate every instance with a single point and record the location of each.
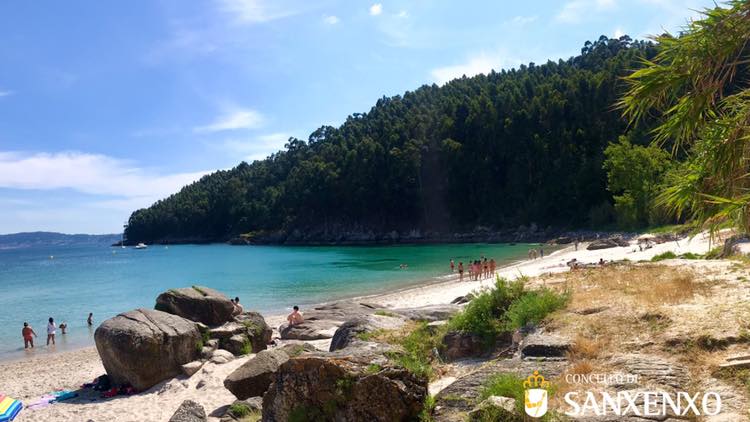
(41, 238)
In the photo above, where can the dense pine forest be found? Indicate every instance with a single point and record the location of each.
(509, 148)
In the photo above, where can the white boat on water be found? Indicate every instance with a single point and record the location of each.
(141, 246)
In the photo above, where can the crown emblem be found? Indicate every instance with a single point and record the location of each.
(535, 381)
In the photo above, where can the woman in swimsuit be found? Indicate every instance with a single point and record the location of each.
(51, 331)
(27, 332)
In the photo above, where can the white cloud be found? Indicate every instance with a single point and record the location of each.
(619, 33)
(575, 11)
(523, 20)
(402, 14)
(94, 174)
(376, 9)
(233, 120)
(5, 93)
(481, 63)
(256, 148)
(256, 11)
(331, 20)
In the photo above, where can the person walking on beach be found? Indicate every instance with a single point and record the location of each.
(541, 252)
(295, 317)
(452, 265)
(27, 332)
(576, 243)
(51, 328)
(493, 266)
(461, 271)
(90, 319)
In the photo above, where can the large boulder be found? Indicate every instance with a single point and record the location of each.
(338, 389)
(196, 303)
(309, 330)
(144, 346)
(351, 330)
(254, 376)
(612, 242)
(459, 345)
(429, 313)
(257, 329)
(189, 411)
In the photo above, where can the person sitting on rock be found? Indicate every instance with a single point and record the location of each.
(238, 309)
(295, 317)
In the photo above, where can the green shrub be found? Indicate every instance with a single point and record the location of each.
(690, 255)
(240, 410)
(714, 253)
(663, 256)
(505, 385)
(510, 385)
(533, 307)
(483, 315)
(246, 348)
(418, 346)
(386, 313)
(429, 405)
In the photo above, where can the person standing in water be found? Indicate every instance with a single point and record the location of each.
(63, 327)
(51, 329)
(90, 319)
(453, 265)
(27, 332)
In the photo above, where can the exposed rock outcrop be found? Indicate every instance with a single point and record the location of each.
(429, 313)
(459, 345)
(196, 303)
(144, 346)
(544, 345)
(254, 376)
(612, 242)
(325, 388)
(349, 331)
(309, 330)
(189, 411)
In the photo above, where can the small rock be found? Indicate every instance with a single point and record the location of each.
(201, 384)
(254, 376)
(189, 411)
(238, 344)
(221, 356)
(494, 408)
(207, 352)
(213, 344)
(192, 367)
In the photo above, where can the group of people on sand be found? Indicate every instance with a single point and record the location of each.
(478, 269)
(28, 333)
(537, 253)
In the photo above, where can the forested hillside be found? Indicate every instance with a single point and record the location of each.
(500, 150)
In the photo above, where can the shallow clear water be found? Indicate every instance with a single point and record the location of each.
(69, 282)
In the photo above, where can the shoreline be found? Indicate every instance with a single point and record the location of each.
(36, 376)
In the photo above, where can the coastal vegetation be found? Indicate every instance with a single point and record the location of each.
(500, 150)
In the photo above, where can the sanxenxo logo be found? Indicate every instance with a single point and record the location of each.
(535, 395)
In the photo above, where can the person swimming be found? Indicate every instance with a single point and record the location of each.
(63, 327)
(295, 317)
(27, 332)
(90, 319)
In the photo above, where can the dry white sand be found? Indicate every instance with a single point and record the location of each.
(29, 379)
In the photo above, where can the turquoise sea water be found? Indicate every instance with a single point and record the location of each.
(69, 282)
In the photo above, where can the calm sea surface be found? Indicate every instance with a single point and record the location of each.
(69, 282)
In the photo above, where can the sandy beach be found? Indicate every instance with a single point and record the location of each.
(28, 379)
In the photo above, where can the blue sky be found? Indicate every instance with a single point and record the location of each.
(106, 107)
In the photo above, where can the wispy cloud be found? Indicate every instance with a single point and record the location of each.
(402, 14)
(523, 20)
(233, 120)
(331, 19)
(256, 11)
(574, 11)
(376, 9)
(256, 148)
(89, 173)
(5, 93)
(480, 63)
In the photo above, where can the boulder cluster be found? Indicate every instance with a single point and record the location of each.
(187, 327)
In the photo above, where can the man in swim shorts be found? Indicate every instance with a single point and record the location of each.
(295, 317)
